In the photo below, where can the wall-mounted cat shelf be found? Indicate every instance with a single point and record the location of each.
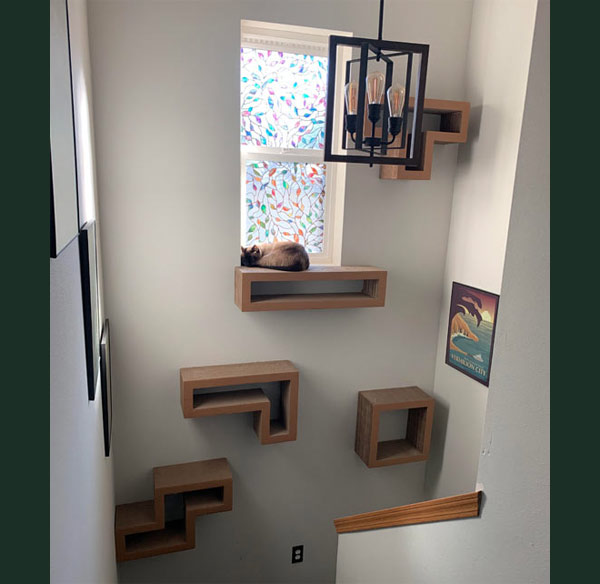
(183, 491)
(454, 122)
(197, 404)
(414, 447)
(372, 292)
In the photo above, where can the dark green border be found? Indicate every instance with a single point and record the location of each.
(25, 252)
(575, 247)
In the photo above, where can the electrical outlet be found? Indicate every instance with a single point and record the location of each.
(297, 554)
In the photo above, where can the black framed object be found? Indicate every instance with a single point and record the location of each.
(64, 212)
(360, 139)
(106, 385)
(91, 312)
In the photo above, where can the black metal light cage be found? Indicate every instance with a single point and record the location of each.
(386, 51)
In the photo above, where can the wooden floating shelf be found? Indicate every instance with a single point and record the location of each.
(454, 124)
(372, 293)
(455, 507)
(202, 404)
(143, 530)
(413, 448)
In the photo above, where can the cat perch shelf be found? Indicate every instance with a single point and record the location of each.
(414, 447)
(197, 401)
(185, 491)
(372, 292)
(454, 123)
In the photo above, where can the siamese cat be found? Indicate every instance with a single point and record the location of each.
(281, 255)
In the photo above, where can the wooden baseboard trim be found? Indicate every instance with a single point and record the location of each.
(455, 507)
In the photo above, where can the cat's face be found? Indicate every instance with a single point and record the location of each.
(250, 255)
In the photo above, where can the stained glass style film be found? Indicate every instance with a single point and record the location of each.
(285, 201)
(283, 98)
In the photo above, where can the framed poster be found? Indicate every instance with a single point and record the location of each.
(91, 312)
(106, 385)
(471, 331)
(64, 214)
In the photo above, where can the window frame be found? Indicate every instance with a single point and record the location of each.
(307, 41)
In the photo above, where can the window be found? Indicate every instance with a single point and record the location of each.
(288, 192)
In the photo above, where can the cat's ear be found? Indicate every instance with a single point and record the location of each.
(242, 248)
(255, 248)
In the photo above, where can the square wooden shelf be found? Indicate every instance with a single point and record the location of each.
(413, 448)
(207, 403)
(142, 529)
(372, 293)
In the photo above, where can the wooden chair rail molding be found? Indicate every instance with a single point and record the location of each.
(453, 130)
(372, 292)
(455, 507)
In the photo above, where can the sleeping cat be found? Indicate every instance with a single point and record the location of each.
(281, 255)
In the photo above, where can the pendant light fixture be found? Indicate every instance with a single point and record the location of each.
(378, 79)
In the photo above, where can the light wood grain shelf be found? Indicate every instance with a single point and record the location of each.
(454, 123)
(197, 403)
(455, 507)
(143, 530)
(413, 448)
(372, 293)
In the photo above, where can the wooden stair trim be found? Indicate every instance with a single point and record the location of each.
(146, 519)
(214, 376)
(372, 293)
(455, 123)
(455, 507)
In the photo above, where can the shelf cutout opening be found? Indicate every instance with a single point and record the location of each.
(239, 399)
(413, 434)
(148, 542)
(324, 287)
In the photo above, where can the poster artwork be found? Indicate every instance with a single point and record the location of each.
(471, 330)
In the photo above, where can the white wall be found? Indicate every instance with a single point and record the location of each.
(166, 96)
(509, 543)
(497, 68)
(81, 477)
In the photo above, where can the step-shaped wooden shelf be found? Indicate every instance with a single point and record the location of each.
(454, 123)
(142, 529)
(197, 401)
(372, 293)
(414, 447)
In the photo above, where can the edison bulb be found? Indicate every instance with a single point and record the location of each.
(351, 93)
(375, 87)
(395, 95)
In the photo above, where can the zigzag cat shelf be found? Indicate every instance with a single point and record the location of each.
(205, 403)
(454, 123)
(144, 529)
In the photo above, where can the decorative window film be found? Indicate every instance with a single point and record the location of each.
(287, 192)
(283, 99)
(285, 201)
